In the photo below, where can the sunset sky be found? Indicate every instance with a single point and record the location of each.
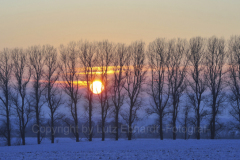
(32, 22)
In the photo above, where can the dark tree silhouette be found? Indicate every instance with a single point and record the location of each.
(22, 74)
(159, 90)
(37, 61)
(88, 61)
(117, 89)
(6, 68)
(187, 120)
(71, 85)
(135, 78)
(199, 70)
(105, 55)
(177, 69)
(53, 94)
(215, 78)
(196, 80)
(234, 83)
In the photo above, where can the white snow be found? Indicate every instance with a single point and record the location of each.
(124, 149)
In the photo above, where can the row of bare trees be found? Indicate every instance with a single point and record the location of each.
(112, 65)
(204, 70)
(200, 71)
(18, 68)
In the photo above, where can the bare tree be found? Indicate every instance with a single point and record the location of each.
(105, 55)
(186, 120)
(6, 67)
(159, 90)
(71, 78)
(53, 94)
(135, 78)
(37, 61)
(88, 60)
(234, 84)
(22, 74)
(177, 69)
(117, 91)
(196, 79)
(215, 78)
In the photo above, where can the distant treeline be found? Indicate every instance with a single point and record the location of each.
(205, 73)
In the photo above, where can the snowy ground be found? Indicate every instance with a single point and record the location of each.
(123, 149)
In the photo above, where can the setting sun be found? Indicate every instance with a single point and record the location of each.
(97, 87)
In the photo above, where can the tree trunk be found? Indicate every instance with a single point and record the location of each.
(76, 123)
(76, 130)
(185, 125)
(130, 131)
(116, 126)
(239, 118)
(161, 127)
(23, 123)
(77, 135)
(213, 127)
(90, 121)
(103, 128)
(174, 120)
(38, 127)
(130, 125)
(198, 124)
(23, 136)
(8, 128)
(213, 119)
(52, 129)
(37, 112)
(174, 127)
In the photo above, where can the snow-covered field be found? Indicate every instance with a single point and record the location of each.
(123, 149)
